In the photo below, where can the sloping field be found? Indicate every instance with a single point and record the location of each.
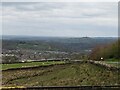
(74, 74)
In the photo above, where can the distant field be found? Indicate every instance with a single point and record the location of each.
(74, 74)
(29, 64)
(113, 62)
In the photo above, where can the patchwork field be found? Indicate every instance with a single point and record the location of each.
(74, 74)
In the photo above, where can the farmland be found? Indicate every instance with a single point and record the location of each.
(72, 74)
(29, 64)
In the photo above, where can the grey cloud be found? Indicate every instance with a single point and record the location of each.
(33, 6)
(74, 19)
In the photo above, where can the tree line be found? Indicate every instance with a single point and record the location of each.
(108, 51)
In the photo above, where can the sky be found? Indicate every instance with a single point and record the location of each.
(60, 19)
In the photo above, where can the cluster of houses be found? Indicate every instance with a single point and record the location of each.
(30, 56)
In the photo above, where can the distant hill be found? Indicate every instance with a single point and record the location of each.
(55, 43)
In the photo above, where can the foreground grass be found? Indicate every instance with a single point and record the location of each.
(74, 74)
(29, 64)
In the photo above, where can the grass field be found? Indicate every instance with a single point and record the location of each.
(74, 74)
(29, 64)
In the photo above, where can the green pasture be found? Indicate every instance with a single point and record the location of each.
(30, 64)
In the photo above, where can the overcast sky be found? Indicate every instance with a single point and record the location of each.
(61, 19)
